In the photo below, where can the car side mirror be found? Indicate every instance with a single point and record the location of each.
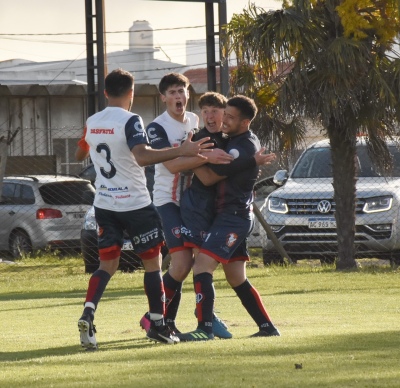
(280, 177)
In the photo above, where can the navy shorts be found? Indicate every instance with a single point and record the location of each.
(143, 227)
(172, 225)
(227, 238)
(197, 211)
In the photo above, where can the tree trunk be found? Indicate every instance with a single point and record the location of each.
(344, 185)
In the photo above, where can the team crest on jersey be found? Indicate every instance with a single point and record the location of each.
(231, 239)
(176, 232)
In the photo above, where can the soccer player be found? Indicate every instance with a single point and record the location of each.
(170, 179)
(226, 241)
(118, 145)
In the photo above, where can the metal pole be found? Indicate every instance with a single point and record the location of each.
(100, 54)
(91, 92)
(224, 64)
(210, 46)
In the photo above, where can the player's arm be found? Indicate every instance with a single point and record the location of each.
(214, 173)
(145, 155)
(214, 156)
(82, 150)
(207, 176)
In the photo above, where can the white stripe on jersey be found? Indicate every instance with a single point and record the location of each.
(167, 186)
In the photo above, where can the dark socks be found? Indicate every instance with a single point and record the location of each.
(252, 302)
(205, 296)
(173, 294)
(97, 284)
(154, 290)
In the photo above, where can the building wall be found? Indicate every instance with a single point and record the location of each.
(50, 120)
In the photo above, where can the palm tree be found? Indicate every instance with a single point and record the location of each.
(330, 61)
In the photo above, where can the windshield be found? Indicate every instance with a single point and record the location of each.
(317, 163)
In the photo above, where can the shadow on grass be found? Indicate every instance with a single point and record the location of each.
(383, 344)
(133, 344)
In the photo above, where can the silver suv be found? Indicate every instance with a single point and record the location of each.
(302, 212)
(42, 211)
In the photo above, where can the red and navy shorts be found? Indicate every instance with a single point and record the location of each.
(172, 226)
(227, 238)
(143, 227)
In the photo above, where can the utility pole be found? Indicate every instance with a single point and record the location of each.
(96, 69)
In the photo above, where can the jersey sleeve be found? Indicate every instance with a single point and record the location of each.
(157, 136)
(135, 133)
(82, 141)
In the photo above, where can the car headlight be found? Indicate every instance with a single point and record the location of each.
(377, 204)
(277, 205)
(89, 223)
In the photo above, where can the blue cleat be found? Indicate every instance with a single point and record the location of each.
(220, 329)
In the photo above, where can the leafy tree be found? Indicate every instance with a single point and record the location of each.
(330, 61)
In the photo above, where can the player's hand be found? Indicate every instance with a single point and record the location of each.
(195, 148)
(218, 156)
(262, 158)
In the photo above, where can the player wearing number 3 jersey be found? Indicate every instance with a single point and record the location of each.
(118, 146)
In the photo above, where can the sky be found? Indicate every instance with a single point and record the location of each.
(173, 22)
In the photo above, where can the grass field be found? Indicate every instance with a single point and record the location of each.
(343, 328)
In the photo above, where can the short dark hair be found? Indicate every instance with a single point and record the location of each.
(212, 99)
(172, 79)
(118, 83)
(245, 105)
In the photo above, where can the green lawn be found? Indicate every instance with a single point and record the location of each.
(342, 327)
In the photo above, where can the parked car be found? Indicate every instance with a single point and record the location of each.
(41, 211)
(262, 189)
(302, 211)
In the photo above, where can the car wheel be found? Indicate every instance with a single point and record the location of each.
(271, 258)
(90, 258)
(20, 244)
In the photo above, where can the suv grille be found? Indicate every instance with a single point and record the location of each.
(304, 234)
(310, 206)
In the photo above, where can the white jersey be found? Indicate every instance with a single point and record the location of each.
(120, 181)
(164, 132)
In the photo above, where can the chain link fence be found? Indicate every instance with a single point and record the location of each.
(49, 214)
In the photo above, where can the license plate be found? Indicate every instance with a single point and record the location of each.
(321, 223)
(77, 216)
(127, 246)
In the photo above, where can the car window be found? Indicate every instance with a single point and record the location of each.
(7, 194)
(314, 163)
(27, 195)
(67, 193)
(317, 163)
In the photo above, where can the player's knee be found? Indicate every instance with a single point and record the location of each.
(151, 253)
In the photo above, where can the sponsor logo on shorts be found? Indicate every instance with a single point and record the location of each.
(231, 239)
(185, 231)
(146, 237)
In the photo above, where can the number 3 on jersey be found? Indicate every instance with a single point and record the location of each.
(111, 173)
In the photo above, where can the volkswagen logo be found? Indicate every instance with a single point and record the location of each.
(324, 206)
